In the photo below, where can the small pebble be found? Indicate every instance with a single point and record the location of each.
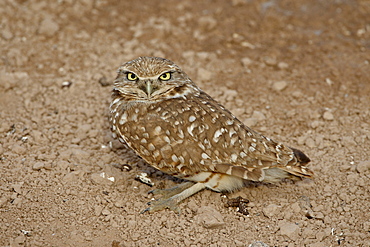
(209, 218)
(310, 142)
(66, 84)
(363, 166)
(48, 27)
(3, 200)
(258, 244)
(270, 61)
(38, 165)
(289, 229)
(17, 188)
(6, 34)
(271, 210)
(246, 61)
(279, 85)
(19, 241)
(19, 149)
(105, 212)
(258, 115)
(98, 210)
(282, 65)
(328, 116)
(120, 203)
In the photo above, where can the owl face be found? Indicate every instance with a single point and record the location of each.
(151, 79)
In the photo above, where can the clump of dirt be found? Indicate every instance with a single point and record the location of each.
(295, 71)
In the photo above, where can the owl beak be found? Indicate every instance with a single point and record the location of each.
(149, 88)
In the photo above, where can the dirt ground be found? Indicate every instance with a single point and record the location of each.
(296, 71)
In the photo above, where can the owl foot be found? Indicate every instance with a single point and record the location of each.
(173, 196)
(167, 193)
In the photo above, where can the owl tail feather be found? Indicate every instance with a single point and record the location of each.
(294, 170)
(301, 157)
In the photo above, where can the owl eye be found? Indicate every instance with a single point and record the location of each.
(165, 76)
(131, 77)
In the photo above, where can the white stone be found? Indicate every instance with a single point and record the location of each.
(279, 85)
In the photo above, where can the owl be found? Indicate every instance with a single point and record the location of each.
(161, 114)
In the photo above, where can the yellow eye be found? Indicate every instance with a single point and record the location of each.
(131, 77)
(165, 76)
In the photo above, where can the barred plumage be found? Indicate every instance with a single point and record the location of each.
(179, 129)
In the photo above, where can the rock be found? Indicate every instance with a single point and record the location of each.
(207, 22)
(366, 226)
(250, 122)
(248, 45)
(19, 149)
(71, 177)
(271, 210)
(6, 34)
(230, 94)
(319, 215)
(105, 212)
(279, 85)
(363, 166)
(3, 200)
(98, 210)
(310, 142)
(289, 229)
(315, 124)
(301, 140)
(63, 165)
(318, 244)
(17, 188)
(209, 218)
(19, 241)
(80, 155)
(352, 178)
(282, 65)
(17, 201)
(258, 115)
(246, 61)
(258, 244)
(307, 233)
(270, 61)
(38, 166)
(120, 203)
(48, 27)
(296, 208)
(328, 81)
(102, 178)
(328, 116)
(88, 236)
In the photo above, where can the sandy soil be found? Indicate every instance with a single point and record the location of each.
(296, 71)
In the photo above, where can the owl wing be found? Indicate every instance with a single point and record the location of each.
(215, 140)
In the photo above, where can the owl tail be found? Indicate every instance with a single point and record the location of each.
(294, 170)
(300, 156)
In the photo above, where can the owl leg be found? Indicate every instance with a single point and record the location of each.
(173, 201)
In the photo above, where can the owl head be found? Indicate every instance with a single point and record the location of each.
(151, 79)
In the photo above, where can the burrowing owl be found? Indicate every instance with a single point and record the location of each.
(159, 112)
